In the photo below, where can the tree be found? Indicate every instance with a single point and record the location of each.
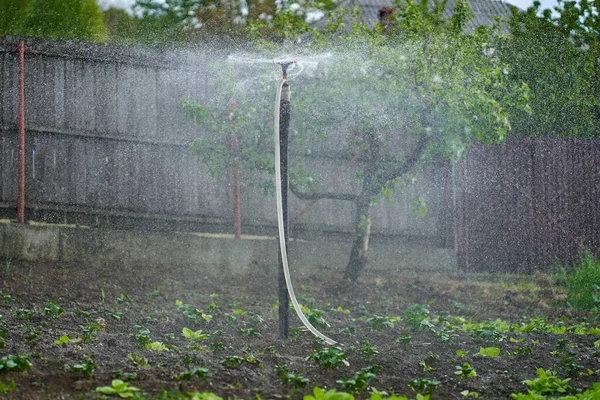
(425, 83)
(429, 85)
(56, 19)
(557, 54)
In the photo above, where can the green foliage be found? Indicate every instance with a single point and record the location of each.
(403, 339)
(16, 363)
(250, 332)
(415, 315)
(56, 19)
(423, 386)
(86, 368)
(555, 53)
(320, 394)
(53, 310)
(328, 357)
(378, 323)
(489, 351)
(465, 371)
(24, 313)
(548, 384)
(141, 335)
(118, 388)
(200, 372)
(360, 382)
(88, 330)
(367, 350)
(295, 381)
(193, 314)
(5, 389)
(231, 361)
(583, 283)
(156, 346)
(64, 339)
(196, 336)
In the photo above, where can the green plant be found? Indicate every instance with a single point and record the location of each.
(249, 332)
(378, 323)
(118, 388)
(53, 310)
(297, 382)
(4, 388)
(199, 372)
(88, 330)
(547, 383)
(203, 396)
(137, 360)
(16, 363)
(314, 316)
(231, 361)
(141, 335)
(156, 346)
(123, 298)
(192, 312)
(583, 283)
(196, 336)
(115, 315)
(415, 315)
(423, 386)
(24, 313)
(360, 382)
(64, 339)
(216, 346)
(86, 368)
(488, 352)
(320, 394)
(329, 357)
(367, 350)
(403, 339)
(465, 371)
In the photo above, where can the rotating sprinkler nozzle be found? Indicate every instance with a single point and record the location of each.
(284, 65)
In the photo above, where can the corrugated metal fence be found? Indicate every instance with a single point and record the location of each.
(527, 203)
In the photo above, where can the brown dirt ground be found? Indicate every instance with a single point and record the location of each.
(153, 292)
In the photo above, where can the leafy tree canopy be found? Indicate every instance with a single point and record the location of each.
(557, 53)
(56, 19)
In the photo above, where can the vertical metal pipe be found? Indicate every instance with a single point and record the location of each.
(237, 203)
(284, 126)
(21, 135)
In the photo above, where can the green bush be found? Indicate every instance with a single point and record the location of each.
(583, 282)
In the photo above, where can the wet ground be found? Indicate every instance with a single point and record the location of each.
(418, 332)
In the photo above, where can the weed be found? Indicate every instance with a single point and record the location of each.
(360, 381)
(465, 371)
(583, 282)
(86, 368)
(199, 372)
(196, 336)
(423, 386)
(329, 357)
(118, 388)
(53, 310)
(16, 363)
(286, 378)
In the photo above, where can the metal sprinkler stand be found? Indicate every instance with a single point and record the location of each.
(284, 127)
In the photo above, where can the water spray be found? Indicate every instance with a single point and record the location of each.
(282, 123)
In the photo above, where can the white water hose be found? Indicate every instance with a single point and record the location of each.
(278, 195)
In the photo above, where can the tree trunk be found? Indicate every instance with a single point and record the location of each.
(362, 218)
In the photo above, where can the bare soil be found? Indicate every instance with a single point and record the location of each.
(147, 297)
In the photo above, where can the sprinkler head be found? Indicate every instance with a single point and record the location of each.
(284, 64)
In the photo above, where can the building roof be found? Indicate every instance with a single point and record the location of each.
(483, 10)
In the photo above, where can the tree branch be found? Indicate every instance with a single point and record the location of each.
(322, 195)
(410, 163)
